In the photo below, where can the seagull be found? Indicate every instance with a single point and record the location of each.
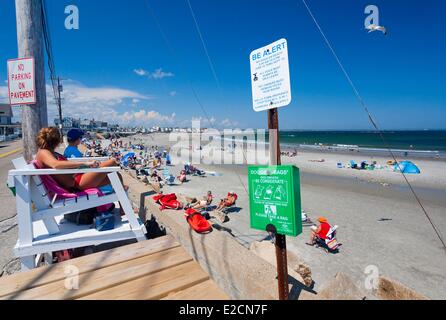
(374, 27)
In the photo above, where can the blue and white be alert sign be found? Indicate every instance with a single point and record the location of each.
(270, 76)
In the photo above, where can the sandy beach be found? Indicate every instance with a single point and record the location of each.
(380, 223)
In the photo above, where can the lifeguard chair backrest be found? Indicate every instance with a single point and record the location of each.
(39, 194)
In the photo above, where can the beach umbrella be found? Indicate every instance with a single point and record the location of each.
(125, 159)
(407, 167)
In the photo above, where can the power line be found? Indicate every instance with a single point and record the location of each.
(373, 122)
(211, 64)
(173, 53)
(55, 81)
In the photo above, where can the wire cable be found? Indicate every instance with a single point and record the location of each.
(194, 92)
(49, 51)
(373, 122)
(211, 66)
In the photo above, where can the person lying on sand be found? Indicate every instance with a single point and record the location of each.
(228, 201)
(200, 204)
(320, 231)
(155, 177)
(182, 177)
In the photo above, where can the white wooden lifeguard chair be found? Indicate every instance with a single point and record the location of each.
(41, 228)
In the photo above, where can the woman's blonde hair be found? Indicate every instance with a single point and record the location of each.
(48, 138)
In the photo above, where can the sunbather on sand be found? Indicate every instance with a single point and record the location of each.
(228, 201)
(155, 177)
(182, 177)
(206, 201)
(48, 139)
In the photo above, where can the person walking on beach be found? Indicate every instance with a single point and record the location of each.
(48, 139)
(320, 231)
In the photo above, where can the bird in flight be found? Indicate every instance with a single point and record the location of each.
(374, 27)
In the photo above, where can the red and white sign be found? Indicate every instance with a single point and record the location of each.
(21, 81)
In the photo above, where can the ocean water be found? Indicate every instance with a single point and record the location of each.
(402, 140)
(430, 143)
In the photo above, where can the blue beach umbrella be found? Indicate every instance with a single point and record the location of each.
(407, 167)
(125, 159)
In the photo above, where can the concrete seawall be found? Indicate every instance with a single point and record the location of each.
(242, 273)
(238, 271)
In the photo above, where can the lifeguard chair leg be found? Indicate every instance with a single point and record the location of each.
(126, 206)
(24, 211)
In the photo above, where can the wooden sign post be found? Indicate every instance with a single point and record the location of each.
(280, 239)
(271, 89)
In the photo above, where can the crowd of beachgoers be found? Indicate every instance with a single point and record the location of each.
(153, 166)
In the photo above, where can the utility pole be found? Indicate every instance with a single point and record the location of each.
(30, 44)
(59, 104)
(280, 240)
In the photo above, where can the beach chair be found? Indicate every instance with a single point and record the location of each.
(353, 164)
(168, 178)
(330, 244)
(41, 228)
(227, 208)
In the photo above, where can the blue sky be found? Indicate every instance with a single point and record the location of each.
(120, 69)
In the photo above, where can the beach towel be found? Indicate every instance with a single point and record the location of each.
(168, 201)
(57, 192)
(197, 221)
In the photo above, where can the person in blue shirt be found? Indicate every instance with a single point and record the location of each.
(74, 137)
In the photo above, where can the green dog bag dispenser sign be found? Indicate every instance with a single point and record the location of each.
(274, 198)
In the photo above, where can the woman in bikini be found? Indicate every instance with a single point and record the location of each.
(204, 203)
(48, 139)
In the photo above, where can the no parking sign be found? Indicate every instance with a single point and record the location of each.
(21, 81)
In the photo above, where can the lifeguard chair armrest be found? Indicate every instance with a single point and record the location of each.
(88, 159)
(42, 172)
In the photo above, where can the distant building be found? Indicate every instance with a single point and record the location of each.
(7, 129)
(68, 122)
(86, 124)
(5, 114)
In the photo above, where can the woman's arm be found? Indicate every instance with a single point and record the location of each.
(48, 160)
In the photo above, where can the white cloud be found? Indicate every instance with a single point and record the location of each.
(160, 74)
(147, 117)
(107, 104)
(157, 74)
(77, 94)
(228, 123)
(4, 94)
(102, 103)
(204, 121)
(140, 72)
